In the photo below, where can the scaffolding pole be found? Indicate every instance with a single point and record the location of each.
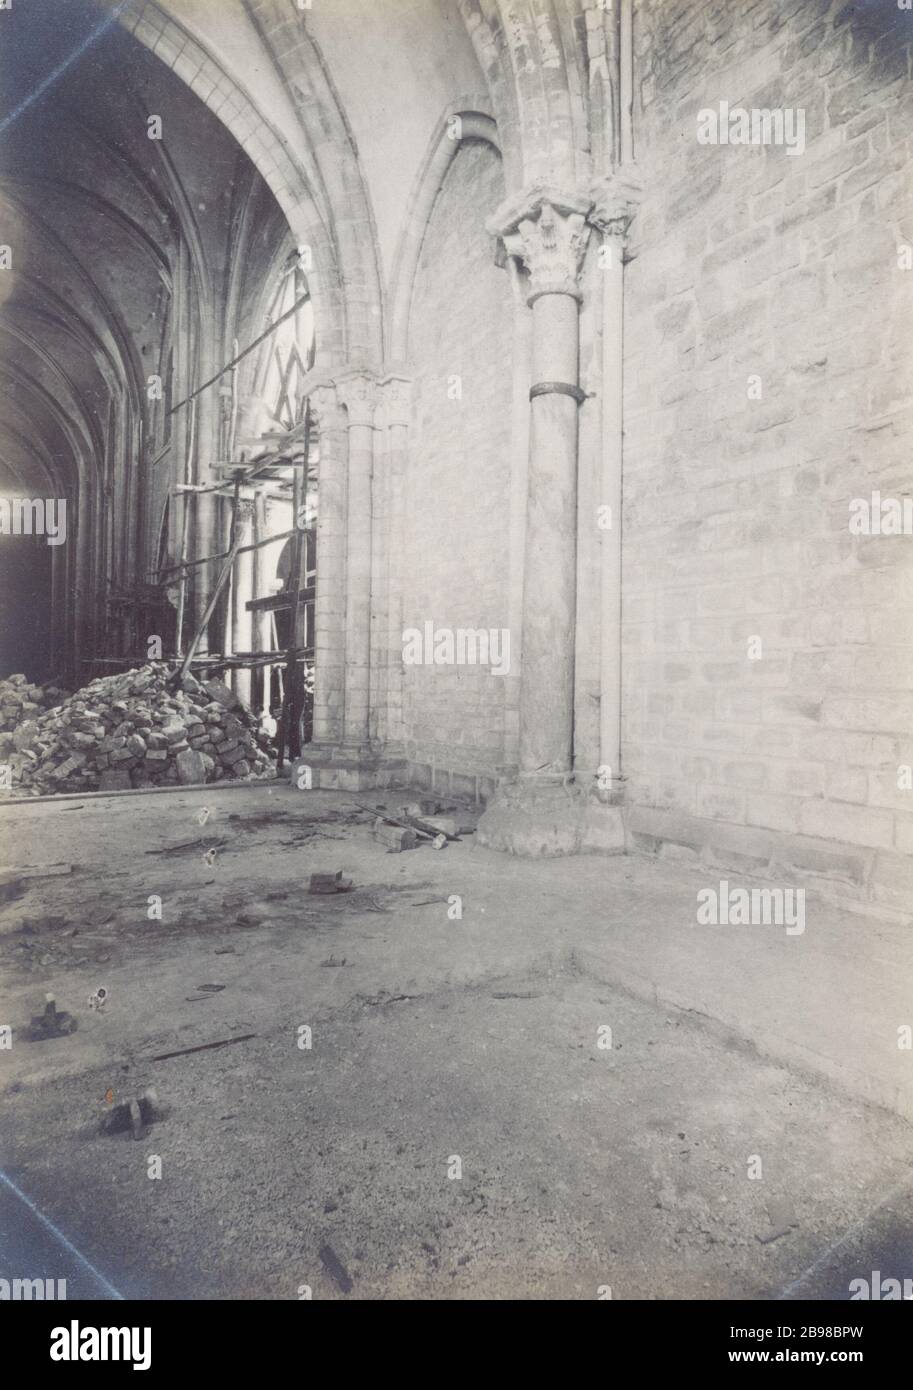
(217, 589)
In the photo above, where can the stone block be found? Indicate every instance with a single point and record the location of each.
(114, 781)
(190, 767)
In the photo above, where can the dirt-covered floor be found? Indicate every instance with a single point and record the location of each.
(457, 1126)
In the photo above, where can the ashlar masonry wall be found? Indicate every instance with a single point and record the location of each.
(456, 510)
(768, 644)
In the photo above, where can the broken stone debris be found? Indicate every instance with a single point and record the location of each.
(427, 806)
(50, 1023)
(21, 703)
(450, 820)
(782, 1217)
(134, 730)
(395, 837)
(437, 833)
(330, 883)
(443, 825)
(11, 885)
(135, 1114)
(335, 1268)
(204, 992)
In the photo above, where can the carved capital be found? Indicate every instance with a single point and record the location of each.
(358, 393)
(396, 400)
(615, 202)
(547, 231)
(325, 408)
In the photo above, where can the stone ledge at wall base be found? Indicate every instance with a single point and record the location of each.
(869, 882)
(339, 769)
(447, 781)
(544, 819)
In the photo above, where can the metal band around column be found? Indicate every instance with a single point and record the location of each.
(564, 388)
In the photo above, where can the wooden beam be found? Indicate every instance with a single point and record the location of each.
(279, 603)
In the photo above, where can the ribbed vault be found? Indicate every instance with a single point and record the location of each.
(124, 288)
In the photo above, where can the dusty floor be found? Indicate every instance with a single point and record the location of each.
(433, 1041)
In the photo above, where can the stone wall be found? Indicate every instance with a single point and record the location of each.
(768, 713)
(455, 560)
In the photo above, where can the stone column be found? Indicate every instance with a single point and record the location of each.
(550, 238)
(397, 413)
(330, 605)
(357, 393)
(615, 202)
(540, 813)
(208, 513)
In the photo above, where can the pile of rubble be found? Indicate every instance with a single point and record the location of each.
(19, 700)
(135, 730)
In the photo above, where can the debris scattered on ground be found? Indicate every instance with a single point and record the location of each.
(258, 820)
(372, 905)
(12, 885)
(38, 871)
(452, 818)
(134, 730)
(255, 915)
(330, 883)
(782, 1219)
(396, 837)
(99, 999)
(204, 992)
(444, 825)
(20, 702)
(332, 961)
(421, 829)
(427, 806)
(135, 1114)
(334, 1267)
(435, 828)
(375, 1001)
(190, 846)
(202, 1047)
(51, 1023)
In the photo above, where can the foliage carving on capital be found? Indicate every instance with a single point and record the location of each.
(358, 393)
(397, 400)
(325, 407)
(615, 203)
(551, 247)
(547, 232)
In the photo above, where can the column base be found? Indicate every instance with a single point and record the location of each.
(543, 819)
